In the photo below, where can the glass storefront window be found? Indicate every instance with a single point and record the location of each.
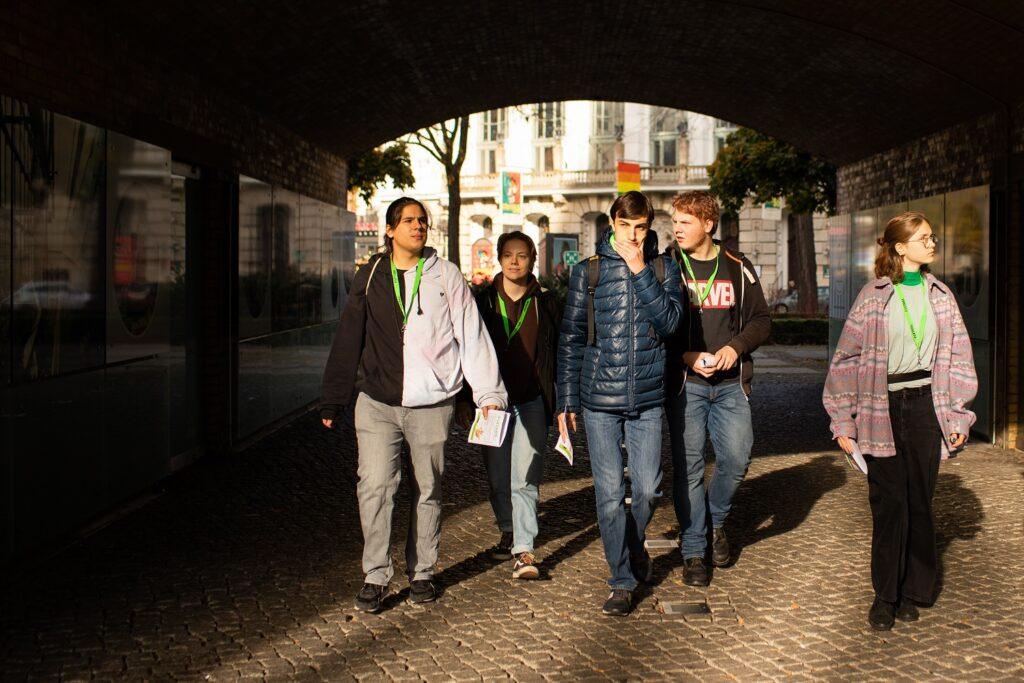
(966, 253)
(255, 248)
(6, 170)
(58, 179)
(139, 217)
(864, 249)
(255, 251)
(934, 209)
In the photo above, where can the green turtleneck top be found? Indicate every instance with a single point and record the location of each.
(903, 353)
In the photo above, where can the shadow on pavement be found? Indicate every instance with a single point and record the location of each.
(958, 515)
(760, 500)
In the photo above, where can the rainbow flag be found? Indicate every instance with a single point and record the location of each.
(627, 177)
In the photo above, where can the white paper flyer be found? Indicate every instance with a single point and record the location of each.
(564, 446)
(490, 430)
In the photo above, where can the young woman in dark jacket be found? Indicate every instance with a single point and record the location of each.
(523, 320)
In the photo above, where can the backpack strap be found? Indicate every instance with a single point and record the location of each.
(593, 273)
(659, 268)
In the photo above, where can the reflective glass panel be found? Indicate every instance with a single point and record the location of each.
(934, 209)
(307, 250)
(840, 296)
(285, 278)
(58, 181)
(6, 167)
(255, 250)
(864, 248)
(887, 212)
(967, 255)
(141, 248)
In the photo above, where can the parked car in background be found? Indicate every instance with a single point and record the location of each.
(788, 302)
(49, 295)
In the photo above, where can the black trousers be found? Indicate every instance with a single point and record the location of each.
(904, 562)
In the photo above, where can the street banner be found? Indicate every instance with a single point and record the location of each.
(511, 192)
(627, 177)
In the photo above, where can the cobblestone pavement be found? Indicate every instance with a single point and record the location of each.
(247, 566)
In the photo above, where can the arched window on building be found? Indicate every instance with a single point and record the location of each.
(601, 223)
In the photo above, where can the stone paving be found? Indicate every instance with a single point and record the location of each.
(247, 566)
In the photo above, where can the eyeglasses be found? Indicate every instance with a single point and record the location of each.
(926, 240)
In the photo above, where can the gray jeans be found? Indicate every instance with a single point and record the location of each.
(380, 430)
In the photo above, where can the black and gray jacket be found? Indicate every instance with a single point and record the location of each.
(444, 343)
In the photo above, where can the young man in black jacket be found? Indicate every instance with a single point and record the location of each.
(709, 373)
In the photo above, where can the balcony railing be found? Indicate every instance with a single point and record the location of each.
(650, 177)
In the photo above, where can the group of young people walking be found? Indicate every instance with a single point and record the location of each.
(416, 348)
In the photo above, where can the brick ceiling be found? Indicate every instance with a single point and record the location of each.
(841, 78)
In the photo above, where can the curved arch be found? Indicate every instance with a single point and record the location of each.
(841, 79)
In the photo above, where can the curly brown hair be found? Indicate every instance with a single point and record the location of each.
(699, 203)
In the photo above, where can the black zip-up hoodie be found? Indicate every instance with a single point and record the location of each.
(546, 350)
(750, 321)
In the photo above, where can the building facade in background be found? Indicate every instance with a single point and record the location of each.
(565, 156)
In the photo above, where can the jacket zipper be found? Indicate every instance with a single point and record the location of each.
(632, 342)
(743, 292)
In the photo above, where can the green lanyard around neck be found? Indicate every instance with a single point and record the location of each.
(701, 294)
(398, 290)
(916, 333)
(511, 332)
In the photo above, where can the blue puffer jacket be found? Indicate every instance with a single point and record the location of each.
(624, 372)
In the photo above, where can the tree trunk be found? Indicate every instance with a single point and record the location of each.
(454, 208)
(805, 270)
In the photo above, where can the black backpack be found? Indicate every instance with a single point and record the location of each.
(593, 272)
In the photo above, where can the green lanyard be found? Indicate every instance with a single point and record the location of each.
(701, 295)
(504, 316)
(398, 290)
(917, 334)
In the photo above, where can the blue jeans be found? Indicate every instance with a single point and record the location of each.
(623, 534)
(725, 410)
(514, 471)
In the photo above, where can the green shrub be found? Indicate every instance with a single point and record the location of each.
(799, 331)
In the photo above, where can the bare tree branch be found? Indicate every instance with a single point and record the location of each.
(429, 144)
(463, 124)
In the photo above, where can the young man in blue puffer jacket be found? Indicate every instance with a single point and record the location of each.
(612, 367)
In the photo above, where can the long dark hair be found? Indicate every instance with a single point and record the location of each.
(394, 214)
(900, 228)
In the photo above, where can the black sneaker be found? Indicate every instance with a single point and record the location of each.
(642, 566)
(371, 598)
(881, 615)
(694, 572)
(619, 603)
(720, 553)
(502, 551)
(422, 591)
(907, 610)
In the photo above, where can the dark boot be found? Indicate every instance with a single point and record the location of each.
(721, 555)
(695, 573)
(907, 610)
(882, 615)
